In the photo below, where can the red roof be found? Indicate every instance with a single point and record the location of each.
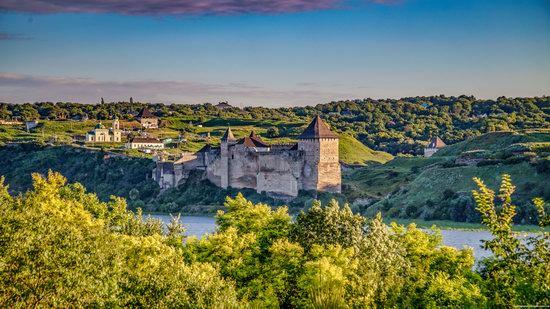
(436, 142)
(253, 141)
(145, 113)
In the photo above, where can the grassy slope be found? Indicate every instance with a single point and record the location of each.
(431, 183)
(378, 181)
(353, 151)
(427, 185)
(496, 141)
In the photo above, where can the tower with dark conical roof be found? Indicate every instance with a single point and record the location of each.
(321, 171)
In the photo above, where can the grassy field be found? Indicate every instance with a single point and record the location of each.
(431, 183)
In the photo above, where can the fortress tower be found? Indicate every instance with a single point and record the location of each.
(227, 140)
(321, 171)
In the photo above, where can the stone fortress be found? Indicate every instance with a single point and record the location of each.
(276, 170)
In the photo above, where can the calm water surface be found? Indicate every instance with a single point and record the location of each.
(199, 226)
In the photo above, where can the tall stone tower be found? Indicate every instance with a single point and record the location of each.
(322, 164)
(227, 140)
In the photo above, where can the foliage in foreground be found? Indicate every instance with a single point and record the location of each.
(61, 246)
(519, 271)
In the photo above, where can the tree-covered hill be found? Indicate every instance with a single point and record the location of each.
(485, 138)
(100, 172)
(392, 125)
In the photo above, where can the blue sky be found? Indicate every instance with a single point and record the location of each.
(284, 56)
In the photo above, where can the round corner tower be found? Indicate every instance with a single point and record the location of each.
(321, 170)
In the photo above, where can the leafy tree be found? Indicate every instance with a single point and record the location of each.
(519, 271)
(61, 247)
(328, 225)
(273, 132)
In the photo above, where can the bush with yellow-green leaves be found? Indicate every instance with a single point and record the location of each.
(62, 247)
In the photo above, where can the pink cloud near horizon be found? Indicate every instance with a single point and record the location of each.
(21, 88)
(174, 7)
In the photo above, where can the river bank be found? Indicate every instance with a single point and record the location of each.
(424, 224)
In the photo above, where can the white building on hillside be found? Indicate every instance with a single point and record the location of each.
(142, 142)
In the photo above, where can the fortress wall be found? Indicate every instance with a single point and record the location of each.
(279, 172)
(243, 167)
(314, 166)
(213, 172)
(309, 175)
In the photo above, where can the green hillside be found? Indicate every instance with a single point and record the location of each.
(377, 181)
(497, 141)
(354, 152)
(103, 173)
(445, 193)
(440, 187)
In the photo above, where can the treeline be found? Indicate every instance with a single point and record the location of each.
(392, 125)
(61, 247)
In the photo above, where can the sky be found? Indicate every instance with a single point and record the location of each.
(271, 53)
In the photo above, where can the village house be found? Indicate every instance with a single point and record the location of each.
(145, 142)
(100, 134)
(223, 106)
(280, 171)
(147, 119)
(435, 144)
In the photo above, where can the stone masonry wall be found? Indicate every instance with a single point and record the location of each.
(309, 175)
(279, 172)
(314, 166)
(329, 173)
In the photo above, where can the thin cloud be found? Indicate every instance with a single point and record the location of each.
(13, 37)
(174, 7)
(19, 88)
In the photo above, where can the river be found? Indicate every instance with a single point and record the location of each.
(198, 226)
